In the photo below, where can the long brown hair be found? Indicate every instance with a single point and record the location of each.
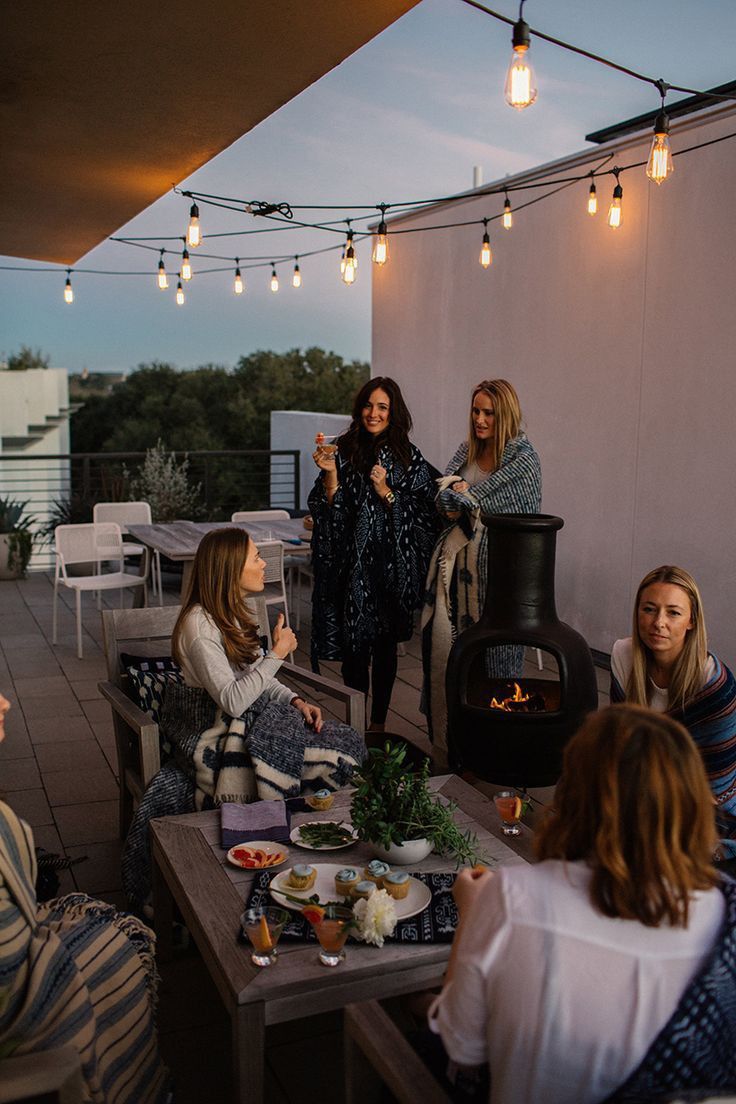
(507, 419)
(687, 673)
(358, 446)
(215, 586)
(635, 803)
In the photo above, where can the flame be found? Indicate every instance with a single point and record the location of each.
(518, 696)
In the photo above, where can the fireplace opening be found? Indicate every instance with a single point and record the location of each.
(534, 689)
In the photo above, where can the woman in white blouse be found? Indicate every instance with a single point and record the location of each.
(563, 973)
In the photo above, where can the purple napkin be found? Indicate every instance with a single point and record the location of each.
(261, 820)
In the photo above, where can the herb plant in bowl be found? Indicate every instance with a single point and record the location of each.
(392, 808)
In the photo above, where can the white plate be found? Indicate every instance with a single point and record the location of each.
(268, 846)
(296, 839)
(416, 900)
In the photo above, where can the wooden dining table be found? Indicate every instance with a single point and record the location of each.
(179, 540)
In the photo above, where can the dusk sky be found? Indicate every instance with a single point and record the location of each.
(407, 117)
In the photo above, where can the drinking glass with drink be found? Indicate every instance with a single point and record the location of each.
(263, 926)
(509, 806)
(331, 924)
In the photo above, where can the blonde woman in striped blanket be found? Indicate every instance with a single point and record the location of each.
(75, 972)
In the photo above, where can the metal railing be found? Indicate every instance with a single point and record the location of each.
(63, 488)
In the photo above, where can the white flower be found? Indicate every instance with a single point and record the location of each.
(376, 916)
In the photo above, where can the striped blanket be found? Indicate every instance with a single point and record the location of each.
(710, 718)
(75, 972)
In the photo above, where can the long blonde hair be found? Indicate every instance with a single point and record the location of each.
(634, 803)
(687, 673)
(507, 419)
(215, 586)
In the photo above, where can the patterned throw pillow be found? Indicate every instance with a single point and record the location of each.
(149, 677)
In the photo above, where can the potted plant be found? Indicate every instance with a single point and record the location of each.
(16, 538)
(393, 809)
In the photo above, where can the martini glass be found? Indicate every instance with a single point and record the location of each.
(263, 926)
(332, 930)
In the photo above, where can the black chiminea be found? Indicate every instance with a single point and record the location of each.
(502, 744)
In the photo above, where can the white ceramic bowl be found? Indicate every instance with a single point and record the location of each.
(404, 854)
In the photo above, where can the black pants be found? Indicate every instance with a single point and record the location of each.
(382, 661)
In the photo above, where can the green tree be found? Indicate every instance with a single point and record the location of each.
(26, 358)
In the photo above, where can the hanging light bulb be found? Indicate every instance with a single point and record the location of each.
(342, 261)
(508, 218)
(186, 267)
(380, 249)
(238, 285)
(274, 278)
(351, 263)
(520, 90)
(68, 290)
(615, 211)
(659, 165)
(194, 231)
(296, 279)
(592, 199)
(163, 282)
(486, 257)
(179, 294)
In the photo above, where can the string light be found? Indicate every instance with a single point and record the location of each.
(380, 249)
(659, 165)
(508, 218)
(350, 263)
(592, 199)
(194, 231)
(238, 285)
(615, 211)
(486, 257)
(520, 90)
(274, 278)
(186, 267)
(296, 279)
(342, 262)
(163, 282)
(68, 290)
(179, 293)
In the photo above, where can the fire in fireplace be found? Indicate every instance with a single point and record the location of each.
(513, 730)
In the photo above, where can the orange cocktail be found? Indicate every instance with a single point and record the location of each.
(509, 806)
(263, 926)
(331, 925)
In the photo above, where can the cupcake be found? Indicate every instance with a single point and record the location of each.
(396, 884)
(321, 799)
(345, 881)
(376, 871)
(301, 877)
(363, 889)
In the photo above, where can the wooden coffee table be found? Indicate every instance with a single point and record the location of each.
(190, 868)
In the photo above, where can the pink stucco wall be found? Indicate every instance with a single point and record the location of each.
(622, 346)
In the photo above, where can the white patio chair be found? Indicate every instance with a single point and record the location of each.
(274, 591)
(133, 513)
(91, 544)
(261, 515)
(296, 567)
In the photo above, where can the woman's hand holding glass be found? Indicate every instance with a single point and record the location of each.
(325, 459)
(284, 640)
(312, 713)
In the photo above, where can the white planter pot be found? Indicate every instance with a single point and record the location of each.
(404, 854)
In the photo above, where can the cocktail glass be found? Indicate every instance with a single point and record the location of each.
(509, 806)
(263, 926)
(331, 930)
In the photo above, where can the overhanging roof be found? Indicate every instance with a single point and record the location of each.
(104, 106)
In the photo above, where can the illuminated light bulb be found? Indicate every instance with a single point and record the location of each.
(351, 263)
(163, 282)
(179, 294)
(238, 285)
(342, 262)
(615, 211)
(274, 280)
(508, 218)
(68, 291)
(486, 257)
(194, 231)
(659, 165)
(296, 279)
(520, 90)
(186, 267)
(380, 249)
(592, 200)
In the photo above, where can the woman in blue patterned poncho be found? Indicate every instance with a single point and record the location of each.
(665, 664)
(496, 471)
(374, 529)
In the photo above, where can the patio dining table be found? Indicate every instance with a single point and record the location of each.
(179, 540)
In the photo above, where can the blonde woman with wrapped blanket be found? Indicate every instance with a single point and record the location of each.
(495, 471)
(75, 972)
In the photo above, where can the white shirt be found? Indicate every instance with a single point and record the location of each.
(204, 664)
(659, 696)
(562, 1001)
(473, 473)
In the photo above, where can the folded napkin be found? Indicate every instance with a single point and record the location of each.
(435, 924)
(260, 820)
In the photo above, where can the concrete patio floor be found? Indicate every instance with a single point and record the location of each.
(58, 772)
